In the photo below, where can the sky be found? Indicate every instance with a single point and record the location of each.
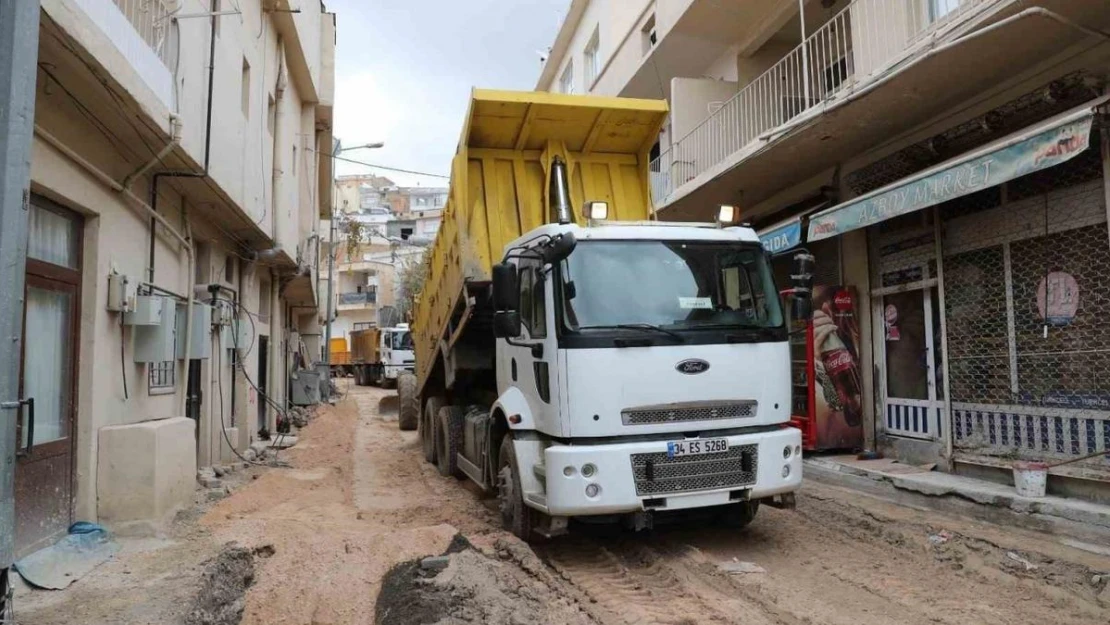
(404, 70)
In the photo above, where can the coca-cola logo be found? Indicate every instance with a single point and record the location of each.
(838, 361)
(692, 366)
(843, 301)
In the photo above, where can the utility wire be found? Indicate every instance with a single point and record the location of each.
(397, 169)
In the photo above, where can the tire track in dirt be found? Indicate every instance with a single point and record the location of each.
(636, 584)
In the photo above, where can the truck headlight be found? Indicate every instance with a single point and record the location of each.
(592, 490)
(786, 471)
(588, 470)
(786, 452)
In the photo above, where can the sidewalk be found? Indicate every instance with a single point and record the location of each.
(1077, 522)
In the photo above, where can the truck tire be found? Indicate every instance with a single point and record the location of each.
(449, 434)
(427, 427)
(515, 516)
(408, 415)
(738, 515)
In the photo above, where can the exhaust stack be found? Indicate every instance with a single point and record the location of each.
(559, 192)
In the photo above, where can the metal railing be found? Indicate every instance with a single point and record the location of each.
(152, 20)
(347, 299)
(863, 40)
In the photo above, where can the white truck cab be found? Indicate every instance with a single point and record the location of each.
(396, 351)
(647, 370)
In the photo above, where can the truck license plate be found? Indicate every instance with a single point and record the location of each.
(696, 447)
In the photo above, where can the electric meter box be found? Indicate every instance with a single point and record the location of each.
(148, 310)
(201, 337)
(155, 343)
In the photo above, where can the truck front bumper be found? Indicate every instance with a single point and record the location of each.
(635, 476)
(392, 372)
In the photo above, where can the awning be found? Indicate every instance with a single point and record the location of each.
(782, 236)
(1051, 142)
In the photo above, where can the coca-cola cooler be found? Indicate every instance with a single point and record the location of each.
(827, 397)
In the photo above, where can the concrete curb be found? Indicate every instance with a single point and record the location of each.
(1079, 520)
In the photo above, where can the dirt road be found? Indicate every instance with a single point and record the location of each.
(359, 501)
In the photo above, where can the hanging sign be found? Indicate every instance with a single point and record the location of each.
(1054, 143)
(1058, 298)
(782, 238)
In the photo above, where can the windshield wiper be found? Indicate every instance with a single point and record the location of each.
(643, 327)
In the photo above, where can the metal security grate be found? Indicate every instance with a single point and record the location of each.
(656, 474)
(1026, 301)
(699, 411)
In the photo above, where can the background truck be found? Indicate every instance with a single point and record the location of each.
(380, 355)
(578, 357)
(340, 357)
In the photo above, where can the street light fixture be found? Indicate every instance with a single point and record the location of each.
(365, 146)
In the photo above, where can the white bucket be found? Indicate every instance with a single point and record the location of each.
(1030, 478)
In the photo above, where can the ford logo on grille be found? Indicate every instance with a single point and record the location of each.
(693, 366)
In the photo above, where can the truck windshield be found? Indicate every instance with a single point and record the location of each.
(402, 340)
(669, 284)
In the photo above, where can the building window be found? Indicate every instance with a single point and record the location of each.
(229, 269)
(941, 8)
(592, 63)
(647, 34)
(161, 377)
(294, 160)
(566, 81)
(246, 86)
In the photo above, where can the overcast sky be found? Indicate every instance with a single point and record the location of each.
(404, 70)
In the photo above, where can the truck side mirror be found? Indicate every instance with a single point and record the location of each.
(801, 278)
(506, 324)
(559, 248)
(506, 287)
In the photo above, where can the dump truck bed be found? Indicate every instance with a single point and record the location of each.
(499, 182)
(364, 346)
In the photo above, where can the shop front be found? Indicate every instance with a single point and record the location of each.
(989, 300)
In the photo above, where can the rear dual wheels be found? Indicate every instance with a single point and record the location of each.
(408, 416)
(428, 427)
(448, 432)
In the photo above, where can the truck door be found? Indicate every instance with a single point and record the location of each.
(532, 365)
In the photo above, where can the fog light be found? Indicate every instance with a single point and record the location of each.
(568, 471)
(786, 453)
(592, 490)
(786, 471)
(588, 470)
(798, 450)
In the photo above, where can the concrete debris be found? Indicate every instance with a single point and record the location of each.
(736, 567)
(435, 563)
(283, 441)
(1029, 566)
(940, 538)
(219, 471)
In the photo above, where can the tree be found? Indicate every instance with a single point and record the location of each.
(412, 273)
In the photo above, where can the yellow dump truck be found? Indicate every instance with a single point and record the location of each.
(380, 355)
(580, 357)
(340, 357)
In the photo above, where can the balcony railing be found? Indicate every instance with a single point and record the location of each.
(349, 299)
(151, 19)
(863, 40)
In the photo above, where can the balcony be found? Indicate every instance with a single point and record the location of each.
(860, 47)
(142, 31)
(357, 300)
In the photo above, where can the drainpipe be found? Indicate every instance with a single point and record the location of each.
(190, 250)
(279, 141)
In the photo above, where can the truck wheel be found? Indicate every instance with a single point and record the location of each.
(515, 516)
(427, 427)
(739, 515)
(409, 414)
(370, 374)
(448, 436)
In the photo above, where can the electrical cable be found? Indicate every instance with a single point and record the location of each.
(223, 423)
(122, 359)
(397, 169)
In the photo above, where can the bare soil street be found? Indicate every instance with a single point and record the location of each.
(359, 500)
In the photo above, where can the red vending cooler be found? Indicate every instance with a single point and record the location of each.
(827, 399)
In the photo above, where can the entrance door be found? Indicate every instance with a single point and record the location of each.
(44, 464)
(914, 398)
(263, 375)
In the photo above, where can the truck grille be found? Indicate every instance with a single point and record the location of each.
(693, 411)
(656, 474)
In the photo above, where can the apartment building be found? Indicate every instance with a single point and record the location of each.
(181, 162)
(946, 161)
